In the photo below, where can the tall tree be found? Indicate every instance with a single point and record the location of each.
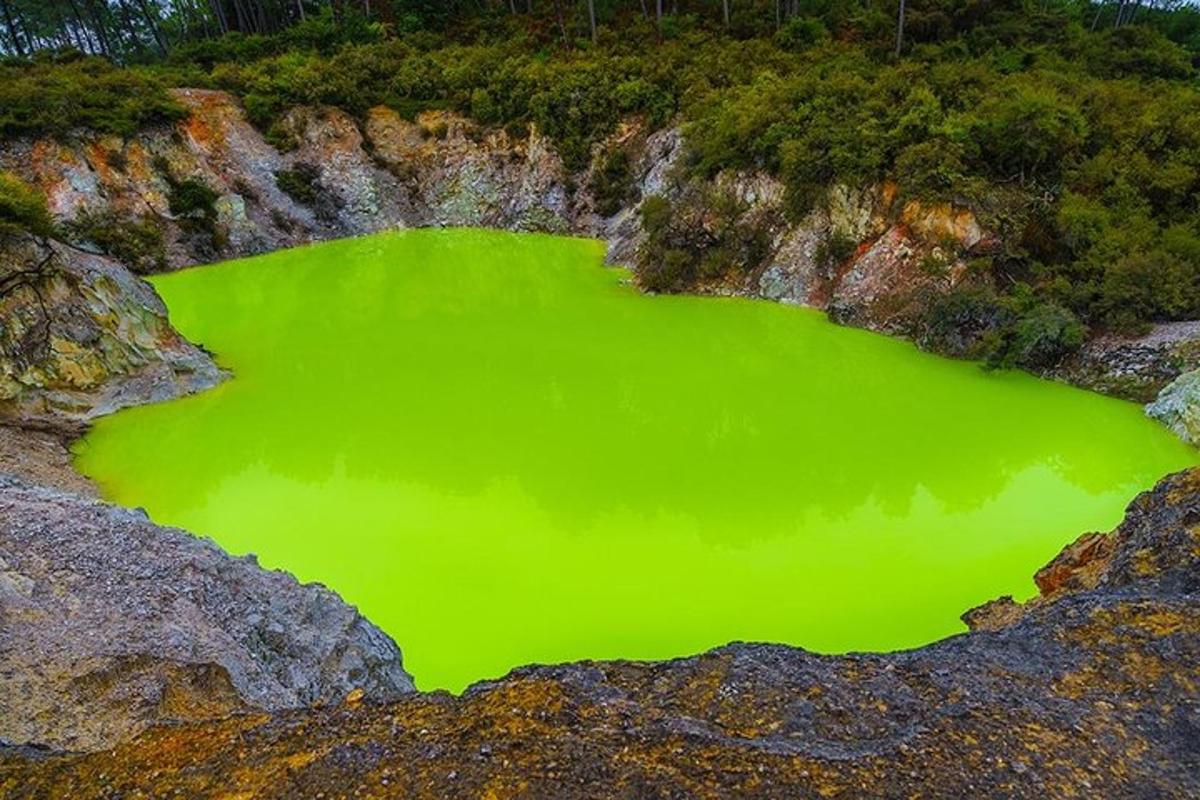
(562, 25)
(900, 29)
(10, 25)
(152, 23)
(591, 4)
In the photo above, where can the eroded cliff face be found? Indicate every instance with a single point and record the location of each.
(337, 176)
(1089, 691)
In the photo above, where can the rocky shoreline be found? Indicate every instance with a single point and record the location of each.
(1088, 691)
(270, 688)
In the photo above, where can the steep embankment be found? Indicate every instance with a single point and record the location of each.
(1089, 690)
(212, 187)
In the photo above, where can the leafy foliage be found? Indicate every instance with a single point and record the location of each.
(137, 242)
(22, 208)
(612, 181)
(1072, 130)
(704, 237)
(58, 95)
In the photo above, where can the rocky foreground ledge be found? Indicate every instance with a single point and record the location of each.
(109, 623)
(1090, 690)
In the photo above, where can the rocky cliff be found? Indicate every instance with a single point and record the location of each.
(866, 256)
(81, 336)
(109, 624)
(1089, 691)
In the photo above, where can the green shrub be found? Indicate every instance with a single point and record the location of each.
(299, 183)
(799, 33)
(57, 98)
(137, 242)
(1038, 335)
(704, 236)
(612, 182)
(956, 322)
(192, 198)
(834, 249)
(22, 209)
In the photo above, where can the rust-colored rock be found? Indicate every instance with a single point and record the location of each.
(1078, 566)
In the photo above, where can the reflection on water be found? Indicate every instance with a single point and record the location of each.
(503, 454)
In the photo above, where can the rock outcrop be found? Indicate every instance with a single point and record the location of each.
(109, 624)
(1178, 407)
(81, 336)
(1089, 691)
(1134, 367)
(459, 174)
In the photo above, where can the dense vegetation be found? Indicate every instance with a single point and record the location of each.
(22, 209)
(1072, 129)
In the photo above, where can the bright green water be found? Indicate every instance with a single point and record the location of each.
(503, 454)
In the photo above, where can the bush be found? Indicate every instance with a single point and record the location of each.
(299, 183)
(834, 249)
(137, 242)
(58, 97)
(1037, 336)
(192, 198)
(705, 236)
(22, 209)
(612, 182)
(800, 33)
(956, 323)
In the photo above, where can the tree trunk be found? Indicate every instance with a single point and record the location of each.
(900, 30)
(135, 41)
(725, 9)
(592, 17)
(101, 28)
(11, 25)
(153, 23)
(562, 25)
(83, 36)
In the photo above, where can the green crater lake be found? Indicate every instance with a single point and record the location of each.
(503, 453)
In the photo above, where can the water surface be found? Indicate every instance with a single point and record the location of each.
(504, 454)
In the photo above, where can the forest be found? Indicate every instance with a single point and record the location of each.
(1071, 129)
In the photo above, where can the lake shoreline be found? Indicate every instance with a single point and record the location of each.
(141, 368)
(1009, 708)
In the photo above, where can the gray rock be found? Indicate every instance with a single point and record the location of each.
(1178, 407)
(109, 623)
(1134, 367)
